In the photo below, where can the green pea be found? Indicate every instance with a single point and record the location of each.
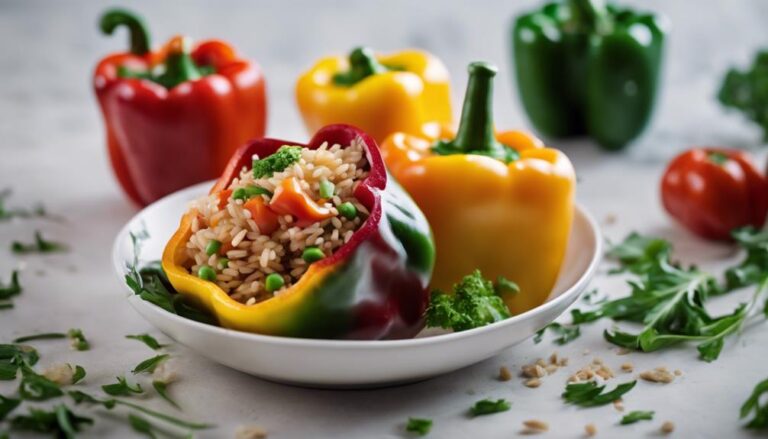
(274, 282)
(347, 210)
(213, 247)
(312, 254)
(223, 263)
(206, 273)
(252, 191)
(326, 189)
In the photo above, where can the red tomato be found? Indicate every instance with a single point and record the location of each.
(712, 191)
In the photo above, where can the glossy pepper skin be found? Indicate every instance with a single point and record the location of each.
(584, 68)
(498, 202)
(181, 127)
(712, 191)
(373, 287)
(380, 94)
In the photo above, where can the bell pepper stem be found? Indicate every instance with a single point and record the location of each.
(475, 132)
(362, 64)
(139, 35)
(591, 15)
(179, 65)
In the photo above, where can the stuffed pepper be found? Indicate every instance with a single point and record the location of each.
(313, 241)
(587, 68)
(380, 94)
(501, 203)
(197, 103)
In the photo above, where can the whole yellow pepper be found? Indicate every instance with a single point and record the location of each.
(382, 95)
(501, 203)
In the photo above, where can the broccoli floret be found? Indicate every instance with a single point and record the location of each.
(475, 302)
(284, 157)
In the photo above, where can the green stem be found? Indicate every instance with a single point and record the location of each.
(114, 18)
(362, 64)
(179, 65)
(476, 134)
(590, 15)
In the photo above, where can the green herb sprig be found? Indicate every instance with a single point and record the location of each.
(566, 334)
(61, 421)
(41, 245)
(7, 291)
(488, 406)
(420, 426)
(475, 302)
(590, 394)
(759, 411)
(122, 388)
(148, 340)
(635, 416)
(150, 364)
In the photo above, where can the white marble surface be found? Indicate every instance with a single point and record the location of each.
(52, 150)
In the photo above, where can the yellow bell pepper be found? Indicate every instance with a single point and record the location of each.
(382, 95)
(501, 203)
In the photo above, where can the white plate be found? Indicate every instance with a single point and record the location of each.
(344, 363)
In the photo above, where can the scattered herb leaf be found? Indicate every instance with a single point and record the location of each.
(78, 340)
(566, 333)
(78, 375)
(419, 426)
(60, 421)
(12, 289)
(589, 394)
(7, 214)
(487, 407)
(593, 297)
(39, 246)
(637, 415)
(148, 340)
(474, 303)
(34, 387)
(7, 405)
(161, 387)
(752, 405)
(150, 364)
(744, 90)
(121, 388)
(45, 336)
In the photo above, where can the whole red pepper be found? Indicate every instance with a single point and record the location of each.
(174, 117)
(712, 191)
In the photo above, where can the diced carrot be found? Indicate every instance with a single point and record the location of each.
(265, 218)
(290, 199)
(224, 197)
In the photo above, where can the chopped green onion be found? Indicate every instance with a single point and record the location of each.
(206, 273)
(326, 188)
(274, 282)
(347, 210)
(312, 254)
(213, 247)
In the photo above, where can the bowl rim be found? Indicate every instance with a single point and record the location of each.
(575, 289)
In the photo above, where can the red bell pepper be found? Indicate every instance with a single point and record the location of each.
(712, 191)
(174, 117)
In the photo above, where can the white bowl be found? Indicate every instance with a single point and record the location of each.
(344, 363)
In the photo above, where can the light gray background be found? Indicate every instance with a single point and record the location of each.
(52, 150)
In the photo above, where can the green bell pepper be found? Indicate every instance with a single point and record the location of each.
(587, 68)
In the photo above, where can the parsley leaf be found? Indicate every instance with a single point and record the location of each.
(12, 289)
(419, 426)
(39, 246)
(147, 339)
(34, 387)
(61, 421)
(281, 159)
(121, 388)
(752, 405)
(590, 394)
(78, 340)
(7, 214)
(78, 375)
(566, 333)
(474, 303)
(12, 357)
(161, 387)
(7, 405)
(637, 415)
(487, 407)
(754, 268)
(744, 90)
(149, 364)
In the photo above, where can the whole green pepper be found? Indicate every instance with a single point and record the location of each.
(587, 68)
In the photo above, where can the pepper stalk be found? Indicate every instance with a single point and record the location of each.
(179, 65)
(476, 133)
(137, 29)
(590, 16)
(362, 64)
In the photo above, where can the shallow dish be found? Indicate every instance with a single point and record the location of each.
(344, 363)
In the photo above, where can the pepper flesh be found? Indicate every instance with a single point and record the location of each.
(713, 191)
(584, 68)
(505, 219)
(373, 287)
(415, 90)
(203, 119)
